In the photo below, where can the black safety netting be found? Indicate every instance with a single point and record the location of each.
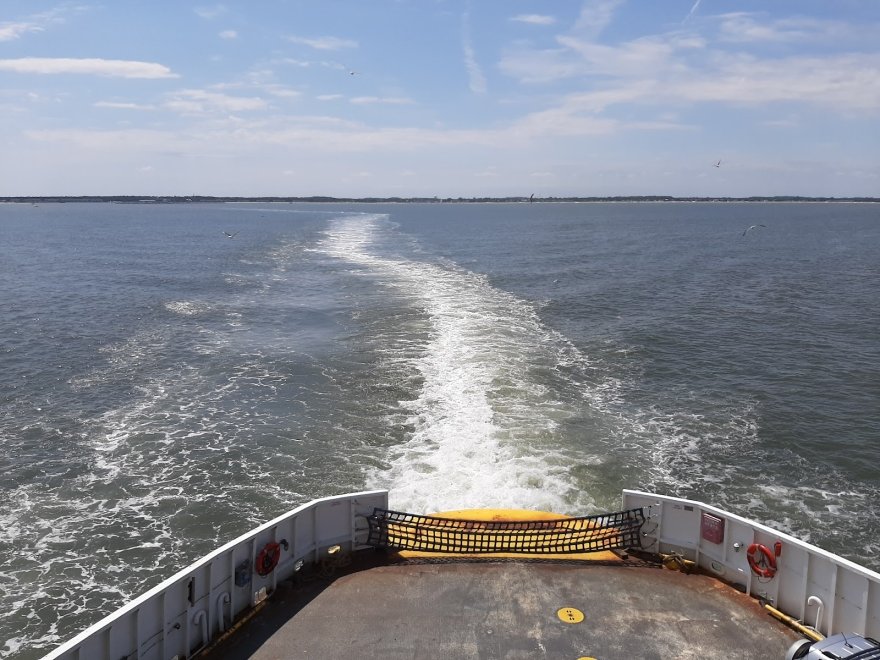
(407, 531)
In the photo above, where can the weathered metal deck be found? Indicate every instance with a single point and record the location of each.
(384, 607)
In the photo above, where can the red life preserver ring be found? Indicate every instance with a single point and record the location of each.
(268, 558)
(762, 560)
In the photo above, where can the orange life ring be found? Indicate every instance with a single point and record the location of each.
(762, 560)
(268, 558)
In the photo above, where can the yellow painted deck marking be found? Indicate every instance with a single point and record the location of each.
(570, 615)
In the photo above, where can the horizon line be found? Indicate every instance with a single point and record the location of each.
(129, 198)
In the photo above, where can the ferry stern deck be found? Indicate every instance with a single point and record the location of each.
(385, 606)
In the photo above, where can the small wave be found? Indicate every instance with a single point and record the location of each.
(719, 455)
(156, 482)
(187, 308)
(124, 357)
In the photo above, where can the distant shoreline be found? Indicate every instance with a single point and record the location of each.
(171, 199)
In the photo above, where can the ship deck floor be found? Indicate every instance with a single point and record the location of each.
(506, 609)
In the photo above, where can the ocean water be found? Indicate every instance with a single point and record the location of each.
(164, 388)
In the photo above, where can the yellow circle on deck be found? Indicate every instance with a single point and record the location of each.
(570, 615)
(586, 657)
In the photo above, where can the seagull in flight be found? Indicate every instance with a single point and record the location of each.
(718, 164)
(751, 228)
(228, 235)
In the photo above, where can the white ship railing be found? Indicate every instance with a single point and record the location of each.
(188, 611)
(818, 588)
(192, 609)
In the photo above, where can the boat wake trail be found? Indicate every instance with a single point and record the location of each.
(483, 410)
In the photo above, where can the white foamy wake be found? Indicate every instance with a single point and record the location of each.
(484, 420)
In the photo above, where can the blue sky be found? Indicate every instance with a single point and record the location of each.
(440, 97)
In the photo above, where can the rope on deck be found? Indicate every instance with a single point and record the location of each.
(408, 531)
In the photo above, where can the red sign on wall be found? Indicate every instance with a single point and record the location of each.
(712, 528)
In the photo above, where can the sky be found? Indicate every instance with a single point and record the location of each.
(448, 98)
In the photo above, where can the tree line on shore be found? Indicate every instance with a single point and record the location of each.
(172, 199)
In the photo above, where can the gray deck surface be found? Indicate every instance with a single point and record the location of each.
(509, 610)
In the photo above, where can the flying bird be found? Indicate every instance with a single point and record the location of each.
(751, 228)
(228, 235)
(718, 164)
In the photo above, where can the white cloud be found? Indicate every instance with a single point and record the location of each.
(88, 66)
(388, 100)
(209, 13)
(10, 31)
(111, 140)
(476, 79)
(37, 22)
(684, 69)
(281, 91)
(303, 64)
(693, 10)
(200, 102)
(565, 121)
(534, 19)
(324, 43)
(595, 16)
(122, 106)
(329, 97)
(635, 58)
(792, 121)
(307, 64)
(228, 34)
(259, 80)
(743, 27)
(847, 83)
(323, 134)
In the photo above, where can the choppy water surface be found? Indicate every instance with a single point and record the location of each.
(165, 388)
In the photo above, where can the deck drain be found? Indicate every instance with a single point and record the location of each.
(570, 615)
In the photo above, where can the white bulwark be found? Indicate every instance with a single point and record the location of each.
(818, 588)
(185, 613)
(193, 608)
